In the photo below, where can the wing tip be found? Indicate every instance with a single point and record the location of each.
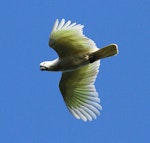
(63, 24)
(85, 114)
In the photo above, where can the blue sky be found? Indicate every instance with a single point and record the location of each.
(31, 107)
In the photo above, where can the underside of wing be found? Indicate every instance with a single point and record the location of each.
(67, 39)
(79, 93)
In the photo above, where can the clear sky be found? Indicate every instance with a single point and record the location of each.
(31, 107)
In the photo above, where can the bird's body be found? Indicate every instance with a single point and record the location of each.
(79, 62)
(68, 64)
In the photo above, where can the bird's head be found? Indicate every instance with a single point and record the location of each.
(47, 66)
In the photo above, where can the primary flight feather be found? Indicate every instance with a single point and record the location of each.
(79, 61)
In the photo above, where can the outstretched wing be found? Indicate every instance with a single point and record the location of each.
(79, 93)
(67, 39)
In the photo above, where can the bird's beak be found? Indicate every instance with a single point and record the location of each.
(42, 67)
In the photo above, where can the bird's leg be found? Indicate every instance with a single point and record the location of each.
(92, 58)
(88, 58)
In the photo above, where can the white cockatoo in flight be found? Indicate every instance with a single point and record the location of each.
(79, 61)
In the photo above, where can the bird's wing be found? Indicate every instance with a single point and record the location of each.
(67, 39)
(79, 93)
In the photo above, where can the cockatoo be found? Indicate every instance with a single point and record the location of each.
(79, 61)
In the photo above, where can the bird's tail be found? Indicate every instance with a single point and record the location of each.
(105, 52)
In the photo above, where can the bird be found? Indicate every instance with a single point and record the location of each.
(79, 61)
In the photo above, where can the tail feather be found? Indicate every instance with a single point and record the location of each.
(105, 52)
